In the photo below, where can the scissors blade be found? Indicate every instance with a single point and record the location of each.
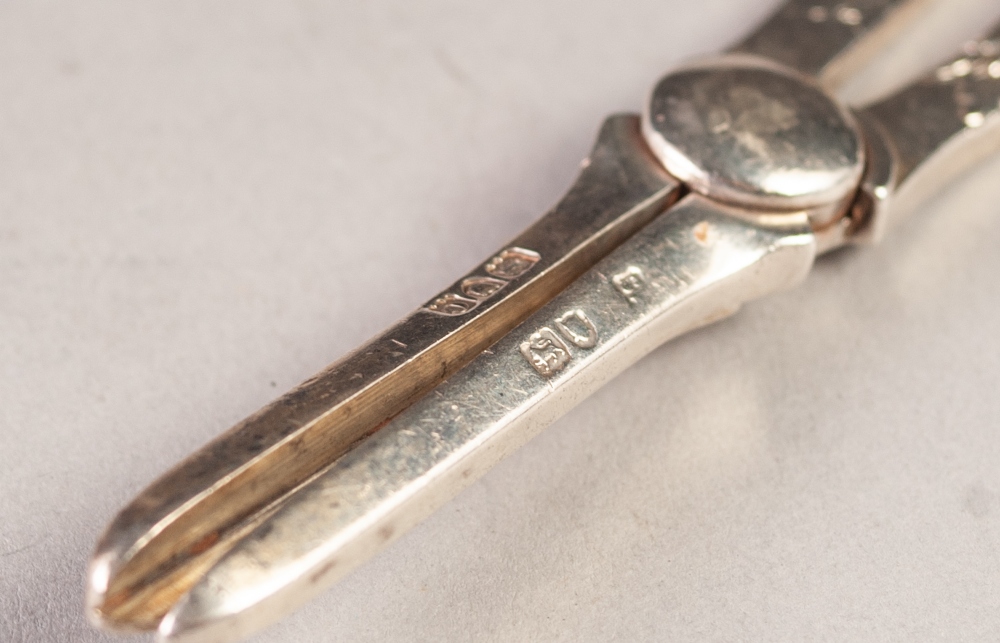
(165, 541)
(158, 545)
(694, 264)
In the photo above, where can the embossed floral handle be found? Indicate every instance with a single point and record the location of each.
(924, 135)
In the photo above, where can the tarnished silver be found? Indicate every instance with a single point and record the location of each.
(749, 131)
(830, 39)
(693, 266)
(926, 134)
(159, 544)
(778, 172)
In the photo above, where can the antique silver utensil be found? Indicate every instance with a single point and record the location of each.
(741, 170)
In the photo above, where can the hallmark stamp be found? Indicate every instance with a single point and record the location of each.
(481, 288)
(546, 352)
(629, 282)
(475, 289)
(576, 327)
(452, 305)
(512, 263)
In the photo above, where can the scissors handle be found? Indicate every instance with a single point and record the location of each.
(314, 483)
(924, 135)
(693, 264)
(830, 39)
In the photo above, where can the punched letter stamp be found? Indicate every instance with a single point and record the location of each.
(546, 351)
(629, 282)
(512, 263)
(577, 328)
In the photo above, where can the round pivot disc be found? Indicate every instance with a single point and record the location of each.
(747, 131)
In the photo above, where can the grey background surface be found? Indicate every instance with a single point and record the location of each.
(204, 203)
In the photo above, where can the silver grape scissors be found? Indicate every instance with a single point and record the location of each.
(740, 172)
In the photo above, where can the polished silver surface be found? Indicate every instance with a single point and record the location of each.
(160, 543)
(693, 265)
(830, 39)
(932, 130)
(779, 172)
(747, 131)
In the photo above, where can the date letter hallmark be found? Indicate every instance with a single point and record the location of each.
(629, 282)
(480, 288)
(451, 305)
(549, 352)
(512, 263)
(546, 351)
(504, 268)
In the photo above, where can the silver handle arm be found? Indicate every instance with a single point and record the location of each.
(694, 264)
(927, 133)
(830, 39)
